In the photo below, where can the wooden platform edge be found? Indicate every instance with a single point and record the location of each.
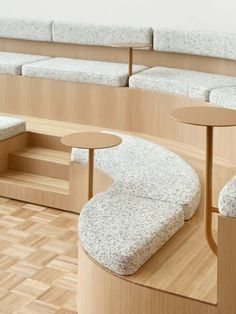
(114, 294)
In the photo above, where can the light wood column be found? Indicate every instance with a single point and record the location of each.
(227, 265)
(208, 189)
(90, 173)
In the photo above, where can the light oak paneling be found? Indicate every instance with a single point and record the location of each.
(227, 265)
(103, 293)
(117, 108)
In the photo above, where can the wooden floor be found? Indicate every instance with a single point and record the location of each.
(38, 259)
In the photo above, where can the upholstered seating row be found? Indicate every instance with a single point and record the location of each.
(202, 86)
(153, 192)
(72, 32)
(10, 127)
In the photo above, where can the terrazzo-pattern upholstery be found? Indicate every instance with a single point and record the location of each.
(82, 71)
(122, 232)
(212, 44)
(227, 199)
(28, 29)
(10, 127)
(11, 63)
(225, 97)
(187, 83)
(144, 169)
(99, 35)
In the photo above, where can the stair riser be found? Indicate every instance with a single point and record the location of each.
(31, 195)
(40, 167)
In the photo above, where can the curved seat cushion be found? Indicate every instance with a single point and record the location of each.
(99, 35)
(10, 127)
(144, 169)
(82, 71)
(24, 28)
(227, 199)
(202, 43)
(11, 63)
(121, 232)
(192, 84)
(225, 97)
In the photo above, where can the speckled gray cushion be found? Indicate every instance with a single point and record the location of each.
(142, 168)
(192, 84)
(212, 44)
(24, 28)
(82, 71)
(11, 63)
(121, 232)
(227, 199)
(225, 97)
(10, 127)
(99, 35)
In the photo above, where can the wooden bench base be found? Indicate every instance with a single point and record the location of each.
(191, 289)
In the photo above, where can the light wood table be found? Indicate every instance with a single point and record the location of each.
(91, 141)
(131, 46)
(209, 117)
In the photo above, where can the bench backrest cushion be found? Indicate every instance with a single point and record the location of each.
(208, 44)
(99, 35)
(27, 29)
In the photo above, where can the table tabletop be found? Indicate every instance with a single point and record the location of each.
(130, 45)
(205, 116)
(91, 140)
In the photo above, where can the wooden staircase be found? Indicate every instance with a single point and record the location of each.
(36, 168)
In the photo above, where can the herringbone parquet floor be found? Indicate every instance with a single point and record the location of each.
(38, 259)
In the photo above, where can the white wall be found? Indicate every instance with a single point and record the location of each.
(191, 14)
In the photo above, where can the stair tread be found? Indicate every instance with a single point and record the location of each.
(43, 183)
(45, 154)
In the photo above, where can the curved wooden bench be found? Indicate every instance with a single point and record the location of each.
(175, 288)
(153, 191)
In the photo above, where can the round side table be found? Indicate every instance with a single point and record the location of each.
(209, 117)
(131, 46)
(91, 141)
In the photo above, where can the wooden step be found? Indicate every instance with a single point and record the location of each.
(35, 188)
(41, 161)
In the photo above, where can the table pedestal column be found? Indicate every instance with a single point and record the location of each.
(208, 189)
(90, 173)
